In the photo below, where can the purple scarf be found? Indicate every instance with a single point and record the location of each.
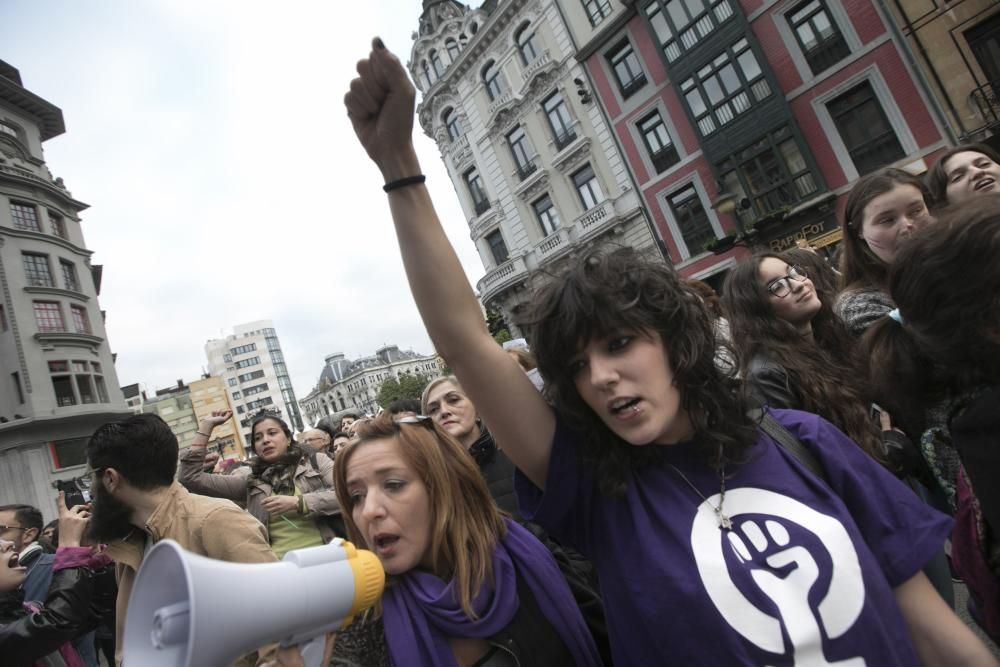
(422, 611)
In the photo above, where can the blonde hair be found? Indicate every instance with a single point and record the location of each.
(466, 524)
(434, 383)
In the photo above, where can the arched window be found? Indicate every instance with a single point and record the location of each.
(473, 28)
(428, 77)
(437, 64)
(491, 78)
(527, 43)
(451, 122)
(453, 49)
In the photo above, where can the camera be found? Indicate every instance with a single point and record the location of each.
(77, 490)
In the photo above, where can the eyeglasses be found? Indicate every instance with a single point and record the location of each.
(782, 287)
(4, 529)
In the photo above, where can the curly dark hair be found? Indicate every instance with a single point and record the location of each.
(937, 176)
(859, 267)
(604, 293)
(823, 373)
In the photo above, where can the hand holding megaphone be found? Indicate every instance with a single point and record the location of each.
(187, 609)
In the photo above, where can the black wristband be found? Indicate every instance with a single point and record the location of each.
(403, 182)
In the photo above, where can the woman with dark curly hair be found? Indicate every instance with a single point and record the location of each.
(881, 212)
(287, 489)
(714, 544)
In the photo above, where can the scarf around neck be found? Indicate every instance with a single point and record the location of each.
(422, 612)
(280, 474)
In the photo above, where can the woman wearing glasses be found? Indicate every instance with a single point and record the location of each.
(881, 212)
(793, 352)
(468, 586)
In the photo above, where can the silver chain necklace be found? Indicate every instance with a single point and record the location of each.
(725, 523)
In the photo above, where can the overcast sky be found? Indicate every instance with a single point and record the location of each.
(225, 183)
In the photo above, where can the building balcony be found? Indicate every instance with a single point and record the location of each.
(460, 151)
(481, 206)
(554, 244)
(532, 184)
(68, 338)
(502, 277)
(543, 61)
(564, 139)
(524, 171)
(986, 100)
(501, 101)
(597, 219)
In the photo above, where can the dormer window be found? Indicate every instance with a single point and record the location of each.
(527, 43)
(452, 124)
(491, 79)
(437, 64)
(8, 129)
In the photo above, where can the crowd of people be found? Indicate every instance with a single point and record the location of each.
(795, 472)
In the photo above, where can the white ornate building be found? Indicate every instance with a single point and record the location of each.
(537, 170)
(347, 385)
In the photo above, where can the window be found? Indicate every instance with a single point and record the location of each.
(428, 79)
(78, 382)
(58, 225)
(662, 152)
(869, 138)
(725, 88)
(48, 316)
(244, 363)
(475, 184)
(243, 349)
(81, 323)
(559, 120)
(69, 453)
(771, 172)
(492, 80)
(984, 42)
(597, 10)
(437, 63)
(452, 124)
(527, 44)
(237, 395)
(547, 216)
(36, 269)
(8, 129)
(256, 389)
(497, 247)
(685, 22)
(246, 377)
(25, 216)
(232, 382)
(518, 142)
(452, 46)
(692, 221)
(588, 188)
(626, 68)
(256, 405)
(70, 281)
(16, 377)
(3, 319)
(817, 35)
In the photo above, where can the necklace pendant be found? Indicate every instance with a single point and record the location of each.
(725, 523)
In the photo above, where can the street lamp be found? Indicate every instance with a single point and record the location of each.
(726, 203)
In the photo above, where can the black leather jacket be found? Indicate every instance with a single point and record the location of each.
(76, 602)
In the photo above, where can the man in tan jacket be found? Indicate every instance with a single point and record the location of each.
(137, 503)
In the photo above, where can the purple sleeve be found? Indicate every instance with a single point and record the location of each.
(562, 508)
(67, 557)
(901, 530)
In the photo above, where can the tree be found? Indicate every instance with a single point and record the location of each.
(497, 325)
(407, 386)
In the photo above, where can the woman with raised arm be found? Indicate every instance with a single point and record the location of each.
(713, 543)
(289, 490)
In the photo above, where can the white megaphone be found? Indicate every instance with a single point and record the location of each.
(188, 610)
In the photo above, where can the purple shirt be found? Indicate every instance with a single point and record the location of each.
(805, 577)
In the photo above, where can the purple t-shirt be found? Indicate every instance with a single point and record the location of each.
(805, 576)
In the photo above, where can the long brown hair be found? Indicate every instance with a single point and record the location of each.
(822, 374)
(859, 266)
(465, 522)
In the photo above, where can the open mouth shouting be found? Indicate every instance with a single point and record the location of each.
(384, 544)
(624, 407)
